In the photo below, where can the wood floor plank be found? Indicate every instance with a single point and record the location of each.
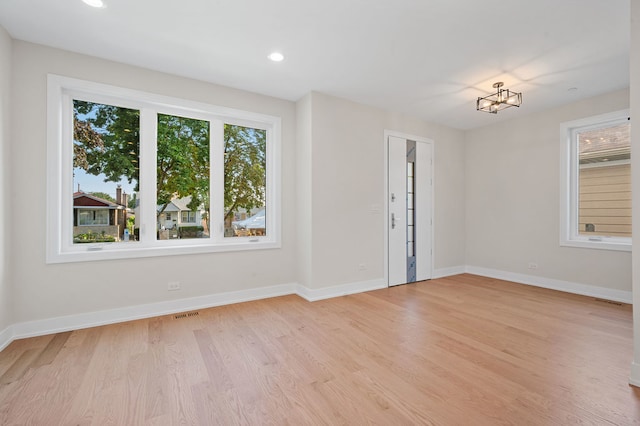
(457, 350)
(52, 349)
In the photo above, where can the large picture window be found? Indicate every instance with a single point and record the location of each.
(596, 187)
(137, 174)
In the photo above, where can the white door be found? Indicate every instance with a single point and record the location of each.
(409, 201)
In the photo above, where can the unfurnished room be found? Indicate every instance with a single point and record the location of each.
(318, 213)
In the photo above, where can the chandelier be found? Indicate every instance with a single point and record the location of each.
(503, 98)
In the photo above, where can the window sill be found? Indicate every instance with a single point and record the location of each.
(106, 251)
(604, 244)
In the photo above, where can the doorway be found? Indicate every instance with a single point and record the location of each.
(409, 208)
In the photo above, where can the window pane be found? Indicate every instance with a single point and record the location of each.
(105, 172)
(183, 178)
(244, 181)
(605, 181)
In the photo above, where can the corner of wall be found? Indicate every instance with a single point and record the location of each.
(303, 188)
(6, 304)
(634, 96)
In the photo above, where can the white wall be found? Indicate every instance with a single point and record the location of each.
(303, 189)
(46, 291)
(512, 194)
(635, 183)
(347, 183)
(6, 305)
(496, 198)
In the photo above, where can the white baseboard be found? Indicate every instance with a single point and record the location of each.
(129, 313)
(566, 286)
(447, 272)
(6, 337)
(93, 319)
(634, 379)
(339, 290)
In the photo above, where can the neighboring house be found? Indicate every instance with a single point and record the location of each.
(254, 225)
(177, 214)
(605, 182)
(91, 213)
(239, 215)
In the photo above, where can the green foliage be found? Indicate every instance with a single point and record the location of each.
(183, 160)
(85, 140)
(106, 140)
(133, 201)
(93, 237)
(109, 142)
(131, 223)
(245, 165)
(190, 231)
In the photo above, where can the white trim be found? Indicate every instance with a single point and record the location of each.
(130, 313)
(448, 272)
(313, 295)
(569, 236)
(634, 378)
(599, 243)
(6, 337)
(553, 284)
(59, 245)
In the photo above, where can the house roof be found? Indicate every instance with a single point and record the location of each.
(610, 143)
(178, 204)
(82, 199)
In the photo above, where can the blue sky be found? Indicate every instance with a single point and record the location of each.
(91, 183)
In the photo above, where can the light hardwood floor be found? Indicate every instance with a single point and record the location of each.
(462, 350)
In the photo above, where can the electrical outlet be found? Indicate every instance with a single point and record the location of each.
(533, 265)
(173, 286)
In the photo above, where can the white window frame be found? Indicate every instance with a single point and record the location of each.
(59, 239)
(569, 167)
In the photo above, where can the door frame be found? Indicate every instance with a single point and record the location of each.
(418, 139)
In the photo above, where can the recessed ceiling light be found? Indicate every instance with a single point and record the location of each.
(94, 3)
(276, 56)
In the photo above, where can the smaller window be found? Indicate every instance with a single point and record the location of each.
(596, 182)
(188, 217)
(93, 217)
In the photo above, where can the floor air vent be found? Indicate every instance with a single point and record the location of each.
(186, 315)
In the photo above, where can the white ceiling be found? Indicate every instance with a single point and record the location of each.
(428, 58)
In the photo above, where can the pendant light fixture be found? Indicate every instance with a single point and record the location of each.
(503, 98)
